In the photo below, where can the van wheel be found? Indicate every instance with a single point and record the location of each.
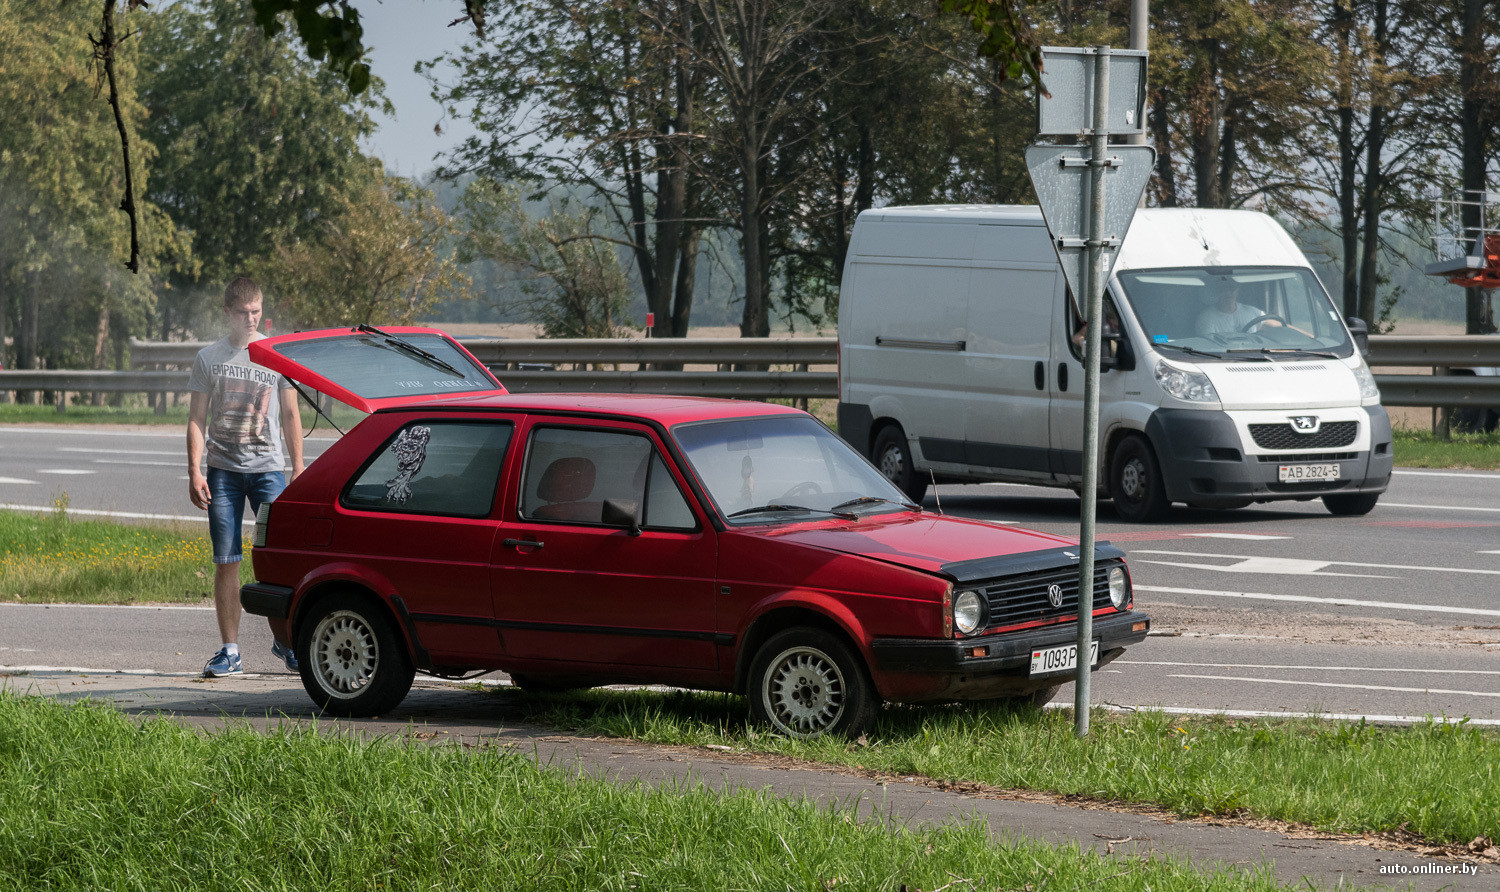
(1351, 504)
(353, 662)
(806, 683)
(1135, 483)
(893, 458)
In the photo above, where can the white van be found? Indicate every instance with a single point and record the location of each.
(1230, 377)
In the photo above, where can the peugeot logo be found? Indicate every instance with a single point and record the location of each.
(1054, 594)
(1305, 424)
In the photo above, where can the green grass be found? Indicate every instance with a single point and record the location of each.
(1439, 780)
(51, 559)
(90, 800)
(1420, 449)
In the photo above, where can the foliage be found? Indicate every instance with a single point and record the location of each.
(1006, 34)
(381, 258)
(334, 36)
(567, 272)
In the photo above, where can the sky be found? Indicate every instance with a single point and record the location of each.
(398, 34)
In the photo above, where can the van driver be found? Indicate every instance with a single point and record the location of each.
(1228, 315)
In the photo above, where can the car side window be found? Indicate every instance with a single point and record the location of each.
(571, 472)
(434, 467)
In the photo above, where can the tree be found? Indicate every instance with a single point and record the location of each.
(256, 143)
(382, 258)
(567, 272)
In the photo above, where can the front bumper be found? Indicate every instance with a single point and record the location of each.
(1205, 462)
(912, 669)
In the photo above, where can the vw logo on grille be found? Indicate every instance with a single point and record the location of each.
(1054, 594)
(1305, 424)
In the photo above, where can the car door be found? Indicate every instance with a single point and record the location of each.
(421, 514)
(569, 588)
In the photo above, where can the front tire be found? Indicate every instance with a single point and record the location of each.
(353, 662)
(1135, 482)
(893, 458)
(1351, 504)
(1035, 700)
(806, 683)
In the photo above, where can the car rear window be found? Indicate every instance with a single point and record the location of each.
(369, 366)
(434, 467)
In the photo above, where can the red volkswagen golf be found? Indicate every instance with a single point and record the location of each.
(574, 540)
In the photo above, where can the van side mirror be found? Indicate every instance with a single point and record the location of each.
(1116, 353)
(623, 514)
(1361, 334)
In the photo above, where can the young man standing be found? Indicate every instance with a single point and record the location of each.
(239, 413)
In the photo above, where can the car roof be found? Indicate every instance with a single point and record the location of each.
(667, 410)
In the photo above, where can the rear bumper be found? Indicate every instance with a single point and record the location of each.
(264, 599)
(912, 669)
(1204, 462)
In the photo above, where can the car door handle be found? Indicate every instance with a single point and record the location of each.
(523, 543)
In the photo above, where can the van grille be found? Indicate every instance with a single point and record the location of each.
(1023, 598)
(1332, 435)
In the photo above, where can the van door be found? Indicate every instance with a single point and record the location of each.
(1014, 291)
(1067, 402)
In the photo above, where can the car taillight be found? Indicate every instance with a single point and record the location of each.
(262, 522)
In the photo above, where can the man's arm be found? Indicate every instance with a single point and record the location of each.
(291, 430)
(197, 423)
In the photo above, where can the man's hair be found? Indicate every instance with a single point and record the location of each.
(241, 291)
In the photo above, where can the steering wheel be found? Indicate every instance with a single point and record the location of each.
(805, 488)
(1259, 319)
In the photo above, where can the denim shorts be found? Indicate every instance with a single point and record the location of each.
(226, 510)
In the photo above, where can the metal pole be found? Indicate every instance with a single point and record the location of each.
(1094, 297)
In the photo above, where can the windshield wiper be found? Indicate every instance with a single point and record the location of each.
(763, 509)
(1193, 350)
(410, 349)
(1276, 350)
(866, 500)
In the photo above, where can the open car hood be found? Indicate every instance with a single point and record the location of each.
(371, 369)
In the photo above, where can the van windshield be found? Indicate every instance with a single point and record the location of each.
(1221, 310)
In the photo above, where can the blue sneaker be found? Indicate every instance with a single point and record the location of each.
(222, 664)
(286, 656)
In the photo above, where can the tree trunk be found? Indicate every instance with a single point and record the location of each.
(754, 322)
(1373, 197)
(687, 278)
(1348, 159)
(1472, 126)
(1166, 179)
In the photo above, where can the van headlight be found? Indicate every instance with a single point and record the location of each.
(1119, 588)
(1367, 388)
(968, 612)
(1185, 384)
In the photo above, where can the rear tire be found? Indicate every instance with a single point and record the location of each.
(892, 456)
(353, 662)
(1351, 504)
(806, 683)
(1135, 482)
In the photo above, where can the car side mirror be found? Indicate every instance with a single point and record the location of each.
(1361, 334)
(623, 514)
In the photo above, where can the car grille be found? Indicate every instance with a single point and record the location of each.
(1332, 435)
(1023, 598)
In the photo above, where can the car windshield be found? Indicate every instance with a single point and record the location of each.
(783, 468)
(1223, 310)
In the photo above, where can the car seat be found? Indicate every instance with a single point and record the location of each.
(565, 487)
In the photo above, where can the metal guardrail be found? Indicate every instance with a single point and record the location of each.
(1386, 351)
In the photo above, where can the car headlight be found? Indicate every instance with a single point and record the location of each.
(1185, 384)
(1119, 588)
(968, 612)
(1367, 388)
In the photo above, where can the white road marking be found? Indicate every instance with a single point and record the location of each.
(1491, 476)
(1292, 568)
(84, 670)
(106, 607)
(1438, 507)
(1334, 602)
(1334, 684)
(69, 472)
(1250, 536)
(18, 481)
(175, 435)
(181, 452)
(1280, 566)
(1266, 714)
(1313, 668)
(1489, 552)
(131, 515)
(127, 461)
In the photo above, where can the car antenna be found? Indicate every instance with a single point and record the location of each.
(939, 499)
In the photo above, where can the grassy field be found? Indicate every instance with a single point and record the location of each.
(54, 559)
(1438, 780)
(1420, 449)
(92, 801)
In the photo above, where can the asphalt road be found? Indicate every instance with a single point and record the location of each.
(1273, 608)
